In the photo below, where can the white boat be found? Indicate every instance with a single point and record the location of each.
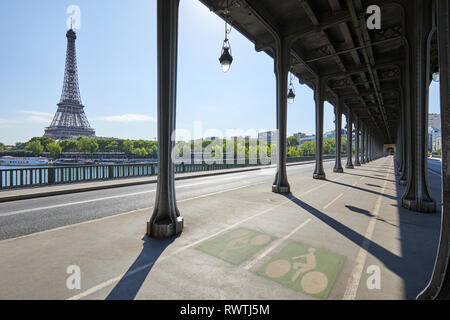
(16, 161)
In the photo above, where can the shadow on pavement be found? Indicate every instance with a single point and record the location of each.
(418, 235)
(131, 282)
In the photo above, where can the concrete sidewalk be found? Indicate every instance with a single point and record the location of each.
(237, 244)
(46, 191)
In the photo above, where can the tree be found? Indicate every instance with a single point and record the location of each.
(307, 149)
(55, 150)
(68, 145)
(292, 142)
(329, 146)
(127, 147)
(293, 152)
(87, 145)
(140, 152)
(2, 147)
(44, 141)
(35, 147)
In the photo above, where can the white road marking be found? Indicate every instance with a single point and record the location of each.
(275, 245)
(11, 213)
(355, 278)
(334, 200)
(435, 173)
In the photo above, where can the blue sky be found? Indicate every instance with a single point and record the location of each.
(116, 50)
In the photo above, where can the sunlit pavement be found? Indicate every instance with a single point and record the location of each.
(343, 238)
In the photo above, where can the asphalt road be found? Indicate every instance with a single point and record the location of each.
(29, 216)
(34, 215)
(434, 166)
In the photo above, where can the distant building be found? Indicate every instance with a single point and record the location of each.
(307, 139)
(434, 120)
(268, 136)
(299, 135)
(434, 139)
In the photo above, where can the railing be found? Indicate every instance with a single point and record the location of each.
(44, 176)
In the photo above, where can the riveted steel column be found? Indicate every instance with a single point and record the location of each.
(166, 220)
(363, 143)
(357, 125)
(417, 196)
(319, 173)
(439, 286)
(338, 134)
(405, 136)
(366, 151)
(282, 65)
(349, 164)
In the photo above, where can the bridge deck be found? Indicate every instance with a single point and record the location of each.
(243, 244)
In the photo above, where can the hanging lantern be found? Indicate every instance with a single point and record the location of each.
(226, 57)
(291, 91)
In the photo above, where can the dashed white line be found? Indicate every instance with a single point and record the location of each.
(355, 278)
(333, 201)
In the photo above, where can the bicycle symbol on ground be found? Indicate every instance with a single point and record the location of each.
(312, 282)
(243, 238)
(236, 246)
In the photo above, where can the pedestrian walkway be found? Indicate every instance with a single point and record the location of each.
(342, 238)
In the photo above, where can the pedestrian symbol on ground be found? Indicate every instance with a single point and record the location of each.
(236, 246)
(303, 268)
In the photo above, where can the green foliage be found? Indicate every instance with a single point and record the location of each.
(2, 147)
(54, 149)
(35, 147)
(68, 145)
(329, 146)
(439, 152)
(44, 141)
(308, 149)
(87, 145)
(292, 142)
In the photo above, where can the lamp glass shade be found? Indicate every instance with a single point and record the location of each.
(226, 59)
(291, 96)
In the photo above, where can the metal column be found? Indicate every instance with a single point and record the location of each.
(338, 134)
(166, 220)
(282, 65)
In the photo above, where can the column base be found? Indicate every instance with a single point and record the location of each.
(358, 164)
(319, 176)
(424, 206)
(281, 189)
(165, 229)
(338, 170)
(349, 166)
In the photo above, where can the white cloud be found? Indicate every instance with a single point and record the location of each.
(37, 117)
(127, 118)
(36, 113)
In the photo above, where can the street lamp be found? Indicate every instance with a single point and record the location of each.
(291, 92)
(226, 58)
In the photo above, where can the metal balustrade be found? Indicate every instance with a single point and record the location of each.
(44, 176)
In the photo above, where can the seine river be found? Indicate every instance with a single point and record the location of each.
(14, 167)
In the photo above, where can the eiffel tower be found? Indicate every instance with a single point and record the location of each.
(70, 121)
